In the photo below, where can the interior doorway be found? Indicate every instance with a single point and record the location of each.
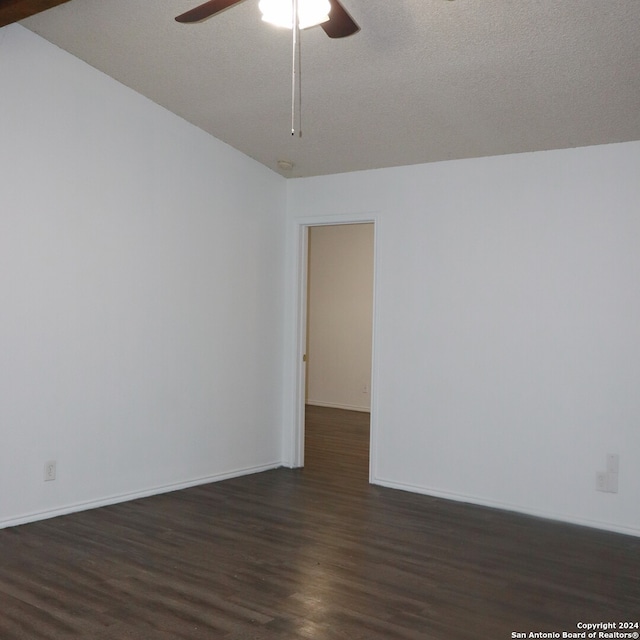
(339, 337)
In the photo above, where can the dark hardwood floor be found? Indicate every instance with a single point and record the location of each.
(336, 447)
(311, 554)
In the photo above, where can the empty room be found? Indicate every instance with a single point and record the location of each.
(169, 466)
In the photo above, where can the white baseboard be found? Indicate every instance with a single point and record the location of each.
(538, 513)
(336, 405)
(134, 495)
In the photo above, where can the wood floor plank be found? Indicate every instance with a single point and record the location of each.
(316, 553)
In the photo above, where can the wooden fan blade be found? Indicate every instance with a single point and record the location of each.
(340, 24)
(206, 10)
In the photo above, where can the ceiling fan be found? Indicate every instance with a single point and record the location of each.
(335, 22)
(296, 15)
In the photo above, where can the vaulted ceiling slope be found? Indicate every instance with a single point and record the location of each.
(423, 81)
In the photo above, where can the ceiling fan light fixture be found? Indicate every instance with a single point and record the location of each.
(280, 12)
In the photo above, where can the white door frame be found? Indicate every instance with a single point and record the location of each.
(302, 268)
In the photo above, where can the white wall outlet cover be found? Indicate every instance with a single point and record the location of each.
(50, 470)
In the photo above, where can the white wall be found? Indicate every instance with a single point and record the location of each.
(507, 344)
(140, 292)
(340, 314)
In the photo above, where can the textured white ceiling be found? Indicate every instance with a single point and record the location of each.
(423, 81)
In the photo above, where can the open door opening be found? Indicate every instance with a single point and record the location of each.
(339, 336)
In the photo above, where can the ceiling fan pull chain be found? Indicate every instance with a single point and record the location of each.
(294, 51)
(299, 85)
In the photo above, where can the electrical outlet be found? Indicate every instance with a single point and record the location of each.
(607, 481)
(601, 481)
(49, 470)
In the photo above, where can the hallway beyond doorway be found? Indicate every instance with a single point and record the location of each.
(337, 445)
